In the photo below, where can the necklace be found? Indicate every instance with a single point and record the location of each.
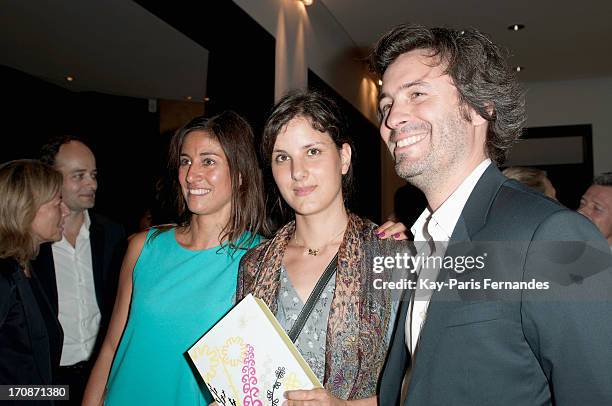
(315, 251)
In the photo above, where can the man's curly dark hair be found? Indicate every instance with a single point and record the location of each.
(478, 69)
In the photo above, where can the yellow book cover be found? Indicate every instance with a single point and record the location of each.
(247, 359)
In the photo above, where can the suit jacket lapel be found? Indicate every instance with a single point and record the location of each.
(96, 240)
(473, 217)
(54, 352)
(45, 272)
(397, 358)
(439, 307)
(477, 207)
(36, 326)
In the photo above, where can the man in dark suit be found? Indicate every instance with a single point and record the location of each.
(80, 272)
(531, 326)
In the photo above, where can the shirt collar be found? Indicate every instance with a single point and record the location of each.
(83, 232)
(441, 223)
(86, 220)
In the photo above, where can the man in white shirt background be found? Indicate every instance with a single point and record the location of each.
(80, 272)
(450, 108)
(596, 204)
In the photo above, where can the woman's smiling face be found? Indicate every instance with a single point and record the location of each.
(204, 175)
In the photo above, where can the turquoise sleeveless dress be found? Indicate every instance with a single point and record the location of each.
(178, 295)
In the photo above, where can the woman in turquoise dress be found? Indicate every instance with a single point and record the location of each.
(177, 282)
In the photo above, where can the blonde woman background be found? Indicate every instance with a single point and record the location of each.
(31, 213)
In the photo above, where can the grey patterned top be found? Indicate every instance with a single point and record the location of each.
(311, 341)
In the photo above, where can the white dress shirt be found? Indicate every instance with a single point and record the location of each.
(79, 314)
(437, 227)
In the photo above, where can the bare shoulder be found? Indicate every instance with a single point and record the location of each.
(137, 240)
(135, 245)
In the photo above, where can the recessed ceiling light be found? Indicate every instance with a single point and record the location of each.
(379, 82)
(69, 78)
(519, 68)
(516, 27)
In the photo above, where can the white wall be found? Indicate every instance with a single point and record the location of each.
(584, 101)
(310, 37)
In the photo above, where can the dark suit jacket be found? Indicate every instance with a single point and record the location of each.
(108, 243)
(30, 335)
(513, 347)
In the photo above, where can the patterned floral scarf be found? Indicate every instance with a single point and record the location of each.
(359, 314)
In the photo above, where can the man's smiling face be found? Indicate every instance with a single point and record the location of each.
(422, 123)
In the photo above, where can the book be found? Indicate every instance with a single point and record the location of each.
(247, 359)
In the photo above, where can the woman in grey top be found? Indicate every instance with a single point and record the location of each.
(345, 338)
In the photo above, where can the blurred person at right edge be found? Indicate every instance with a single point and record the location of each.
(345, 336)
(450, 107)
(534, 178)
(31, 213)
(596, 204)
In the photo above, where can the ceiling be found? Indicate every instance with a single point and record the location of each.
(118, 47)
(110, 46)
(562, 40)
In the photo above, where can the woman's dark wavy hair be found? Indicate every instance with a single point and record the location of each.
(479, 70)
(323, 114)
(247, 203)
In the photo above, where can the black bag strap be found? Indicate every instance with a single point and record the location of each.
(313, 298)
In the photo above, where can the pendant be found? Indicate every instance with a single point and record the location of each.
(312, 252)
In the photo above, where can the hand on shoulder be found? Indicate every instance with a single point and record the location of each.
(390, 229)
